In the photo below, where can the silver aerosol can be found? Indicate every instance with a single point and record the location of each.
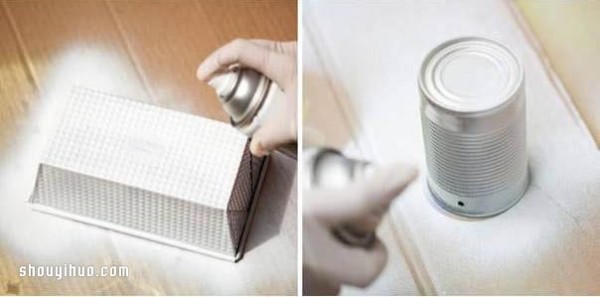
(473, 120)
(328, 168)
(249, 97)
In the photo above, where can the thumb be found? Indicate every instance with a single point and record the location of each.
(269, 137)
(279, 126)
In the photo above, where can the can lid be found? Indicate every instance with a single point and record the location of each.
(470, 74)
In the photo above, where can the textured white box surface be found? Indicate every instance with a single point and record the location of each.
(147, 147)
(152, 172)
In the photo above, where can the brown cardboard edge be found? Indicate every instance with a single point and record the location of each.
(252, 211)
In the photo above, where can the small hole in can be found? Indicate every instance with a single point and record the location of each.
(460, 203)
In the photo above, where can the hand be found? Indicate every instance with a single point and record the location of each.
(328, 262)
(276, 60)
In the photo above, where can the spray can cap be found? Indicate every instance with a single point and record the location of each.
(328, 168)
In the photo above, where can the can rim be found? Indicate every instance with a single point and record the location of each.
(442, 103)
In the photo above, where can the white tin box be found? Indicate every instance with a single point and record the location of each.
(150, 172)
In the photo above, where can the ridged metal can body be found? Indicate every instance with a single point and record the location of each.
(474, 127)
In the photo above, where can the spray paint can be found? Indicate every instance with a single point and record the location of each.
(248, 96)
(327, 168)
(473, 120)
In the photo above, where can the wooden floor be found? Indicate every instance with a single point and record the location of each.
(568, 33)
(149, 51)
(360, 95)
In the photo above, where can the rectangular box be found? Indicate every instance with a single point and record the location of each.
(159, 174)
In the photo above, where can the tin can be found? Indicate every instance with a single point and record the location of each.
(327, 168)
(474, 129)
(248, 97)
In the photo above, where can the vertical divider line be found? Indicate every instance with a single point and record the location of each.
(300, 146)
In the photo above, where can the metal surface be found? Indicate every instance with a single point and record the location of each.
(150, 172)
(242, 92)
(247, 96)
(329, 169)
(473, 118)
